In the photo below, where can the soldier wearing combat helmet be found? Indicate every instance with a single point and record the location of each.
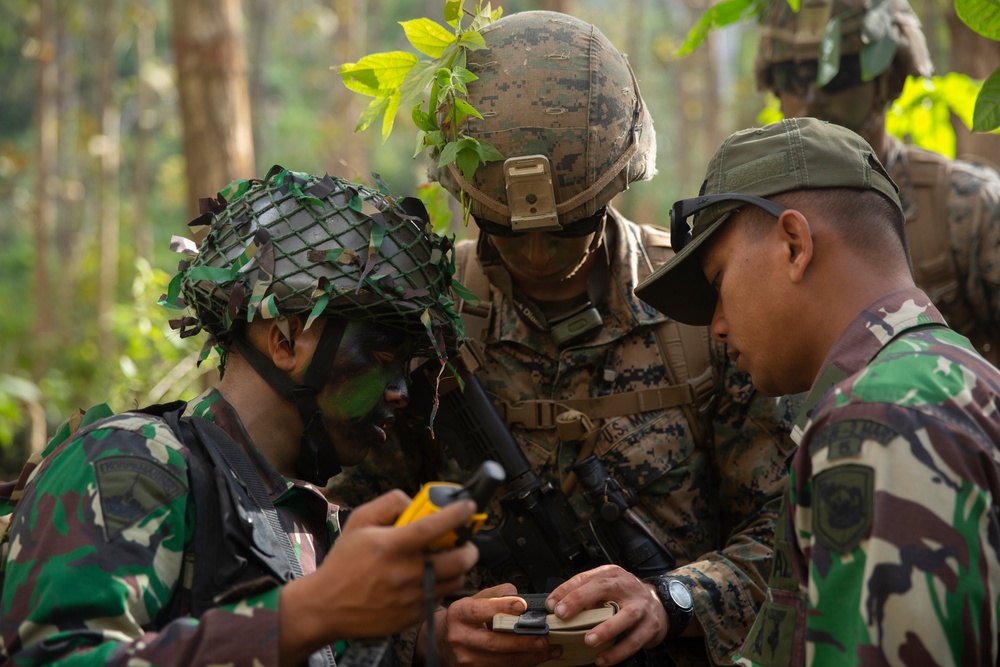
(576, 365)
(191, 533)
(952, 207)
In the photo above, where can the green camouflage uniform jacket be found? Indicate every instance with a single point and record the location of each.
(96, 547)
(713, 507)
(956, 243)
(888, 552)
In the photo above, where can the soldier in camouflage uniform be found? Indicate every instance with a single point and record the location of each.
(132, 543)
(561, 339)
(888, 552)
(952, 206)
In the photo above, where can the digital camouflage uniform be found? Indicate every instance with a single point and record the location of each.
(713, 507)
(96, 548)
(909, 576)
(956, 245)
(952, 207)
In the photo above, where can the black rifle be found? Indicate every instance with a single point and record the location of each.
(539, 532)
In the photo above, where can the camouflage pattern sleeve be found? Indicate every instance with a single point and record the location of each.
(751, 446)
(95, 553)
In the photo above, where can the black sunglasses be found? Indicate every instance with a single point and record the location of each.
(575, 230)
(680, 231)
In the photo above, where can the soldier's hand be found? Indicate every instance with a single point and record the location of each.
(641, 619)
(463, 638)
(371, 582)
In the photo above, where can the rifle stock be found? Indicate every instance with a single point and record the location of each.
(539, 532)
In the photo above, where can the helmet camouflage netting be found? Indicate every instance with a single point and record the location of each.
(297, 244)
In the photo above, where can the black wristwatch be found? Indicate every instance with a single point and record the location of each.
(676, 599)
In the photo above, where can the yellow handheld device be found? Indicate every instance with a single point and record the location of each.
(435, 495)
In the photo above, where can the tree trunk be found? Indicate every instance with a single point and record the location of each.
(214, 97)
(976, 56)
(350, 43)
(108, 149)
(47, 150)
(142, 230)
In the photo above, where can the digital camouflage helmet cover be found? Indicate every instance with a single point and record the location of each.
(562, 105)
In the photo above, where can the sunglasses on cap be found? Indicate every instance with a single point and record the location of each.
(575, 230)
(796, 78)
(681, 232)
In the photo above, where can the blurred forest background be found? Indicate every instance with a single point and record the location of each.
(117, 115)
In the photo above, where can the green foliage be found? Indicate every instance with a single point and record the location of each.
(921, 115)
(436, 200)
(986, 115)
(396, 78)
(717, 16)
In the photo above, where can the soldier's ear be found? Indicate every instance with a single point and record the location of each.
(288, 345)
(796, 238)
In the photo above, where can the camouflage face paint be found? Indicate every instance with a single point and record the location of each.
(850, 107)
(537, 258)
(366, 383)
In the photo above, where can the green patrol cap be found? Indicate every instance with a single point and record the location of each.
(792, 154)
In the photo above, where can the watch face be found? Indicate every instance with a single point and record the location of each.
(680, 594)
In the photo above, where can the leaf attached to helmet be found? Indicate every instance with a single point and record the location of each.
(398, 78)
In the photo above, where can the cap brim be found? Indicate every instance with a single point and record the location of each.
(678, 288)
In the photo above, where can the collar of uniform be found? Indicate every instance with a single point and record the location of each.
(212, 406)
(890, 316)
(622, 310)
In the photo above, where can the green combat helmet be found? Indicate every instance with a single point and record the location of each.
(839, 43)
(562, 105)
(296, 244)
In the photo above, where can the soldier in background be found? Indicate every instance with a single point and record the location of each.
(561, 339)
(952, 206)
(888, 550)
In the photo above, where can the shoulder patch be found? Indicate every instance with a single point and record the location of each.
(844, 438)
(130, 488)
(842, 506)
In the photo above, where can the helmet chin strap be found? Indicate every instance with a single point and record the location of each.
(317, 461)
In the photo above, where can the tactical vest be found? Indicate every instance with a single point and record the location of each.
(685, 351)
(231, 546)
(928, 233)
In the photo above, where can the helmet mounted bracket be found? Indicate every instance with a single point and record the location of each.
(530, 194)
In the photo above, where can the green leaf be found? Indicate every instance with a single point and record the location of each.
(423, 120)
(417, 80)
(390, 115)
(463, 75)
(448, 153)
(467, 160)
(986, 116)
(724, 13)
(472, 41)
(374, 109)
(437, 202)
(421, 144)
(829, 52)
(378, 74)
(465, 109)
(453, 12)
(488, 152)
(983, 16)
(426, 36)
(877, 56)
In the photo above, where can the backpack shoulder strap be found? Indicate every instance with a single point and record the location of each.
(928, 233)
(685, 350)
(476, 317)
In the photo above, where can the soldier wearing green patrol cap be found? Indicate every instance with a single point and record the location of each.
(796, 255)
(846, 61)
